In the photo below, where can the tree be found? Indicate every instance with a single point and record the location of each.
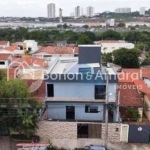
(107, 57)
(85, 26)
(146, 62)
(84, 39)
(142, 46)
(111, 35)
(121, 25)
(91, 35)
(2, 74)
(127, 58)
(23, 118)
(65, 26)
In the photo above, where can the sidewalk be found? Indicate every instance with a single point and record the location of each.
(128, 146)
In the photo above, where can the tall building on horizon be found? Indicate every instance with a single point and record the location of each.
(123, 10)
(77, 11)
(51, 10)
(90, 11)
(142, 11)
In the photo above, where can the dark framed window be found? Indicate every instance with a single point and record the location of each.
(91, 109)
(2, 63)
(100, 91)
(50, 90)
(82, 130)
(84, 70)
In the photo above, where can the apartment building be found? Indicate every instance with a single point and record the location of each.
(51, 10)
(123, 10)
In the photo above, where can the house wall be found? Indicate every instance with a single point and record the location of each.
(57, 110)
(110, 47)
(5, 66)
(80, 90)
(147, 107)
(64, 134)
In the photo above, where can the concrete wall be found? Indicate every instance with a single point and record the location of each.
(64, 134)
(58, 111)
(147, 107)
(5, 66)
(80, 90)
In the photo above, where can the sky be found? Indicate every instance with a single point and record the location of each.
(38, 8)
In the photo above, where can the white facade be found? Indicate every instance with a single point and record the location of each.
(30, 44)
(77, 11)
(111, 22)
(51, 10)
(109, 47)
(4, 64)
(142, 11)
(123, 10)
(90, 11)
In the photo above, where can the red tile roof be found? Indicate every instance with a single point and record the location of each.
(4, 56)
(58, 50)
(3, 42)
(30, 61)
(129, 96)
(12, 48)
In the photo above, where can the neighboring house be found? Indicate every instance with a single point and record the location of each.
(75, 92)
(141, 78)
(111, 45)
(5, 60)
(50, 51)
(4, 44)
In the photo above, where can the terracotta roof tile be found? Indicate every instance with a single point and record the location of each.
(129, 95)
(3, 42)
(12, 48)
(4, 56)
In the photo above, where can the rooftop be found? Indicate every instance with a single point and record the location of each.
(4, 56)
(3, 42)
(129, 95)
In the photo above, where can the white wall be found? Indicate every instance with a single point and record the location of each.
(80, 90)
(110, 47)
(5, 66)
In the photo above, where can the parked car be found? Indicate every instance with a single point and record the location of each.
(96, 147)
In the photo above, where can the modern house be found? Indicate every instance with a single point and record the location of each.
(76, 87)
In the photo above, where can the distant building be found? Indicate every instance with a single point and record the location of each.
(123, 10)
(51, 10)
(77, 11)
(142, 11)
(108, 46)
(111, 22)
(60, 16)
(90, 11)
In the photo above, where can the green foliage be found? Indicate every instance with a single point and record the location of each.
(84, 39)
(134, 113)
(23, 118)
(111, 35)
(127, 58)
(142, 46)
(85, 26)
(146, 62)
(91, 35)
(121, 25)
(2, 74)
(107, 57)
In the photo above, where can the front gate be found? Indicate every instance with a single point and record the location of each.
(139, 134)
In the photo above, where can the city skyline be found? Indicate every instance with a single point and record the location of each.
(38, 8)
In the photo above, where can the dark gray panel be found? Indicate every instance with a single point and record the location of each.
(136, 136)
(89, 54)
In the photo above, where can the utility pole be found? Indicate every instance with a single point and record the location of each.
(118, 103)
(106, 110)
